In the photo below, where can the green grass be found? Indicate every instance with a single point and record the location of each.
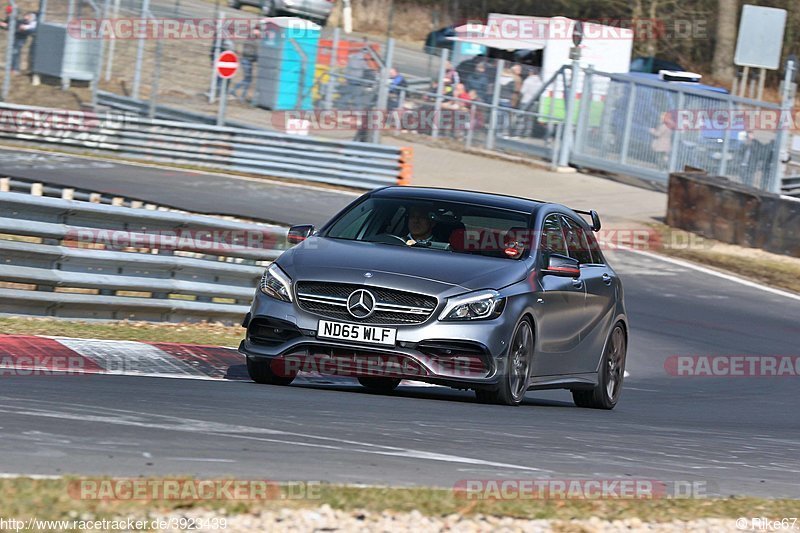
(52, 499)
(782, 272)
(202, 333)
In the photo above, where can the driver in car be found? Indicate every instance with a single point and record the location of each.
(420, 226)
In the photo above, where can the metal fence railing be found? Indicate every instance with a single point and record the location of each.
(250, 151)
(649, 128)
(85, 260)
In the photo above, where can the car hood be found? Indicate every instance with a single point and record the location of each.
(413, 269)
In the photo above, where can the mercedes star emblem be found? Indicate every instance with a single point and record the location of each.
(361, 303)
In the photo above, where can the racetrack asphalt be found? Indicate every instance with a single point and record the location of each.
(197, 192)
(736, 435)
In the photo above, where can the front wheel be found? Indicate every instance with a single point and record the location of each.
(380, 384)
(262, 372)
(514, 384)
(609, 379)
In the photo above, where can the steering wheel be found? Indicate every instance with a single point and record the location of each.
(390, 238)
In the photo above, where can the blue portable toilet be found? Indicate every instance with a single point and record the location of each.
(287, 58)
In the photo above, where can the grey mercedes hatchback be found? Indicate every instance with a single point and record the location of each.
(470, 290)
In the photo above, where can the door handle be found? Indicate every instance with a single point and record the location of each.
(577, 283)
(607, 279)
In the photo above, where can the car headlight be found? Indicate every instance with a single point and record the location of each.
(481, 305)
(276, 283)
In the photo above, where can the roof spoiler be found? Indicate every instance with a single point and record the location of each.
(596, 224)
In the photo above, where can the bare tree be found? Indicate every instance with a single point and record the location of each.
(722, 63)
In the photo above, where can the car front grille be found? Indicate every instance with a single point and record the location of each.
(391, 306)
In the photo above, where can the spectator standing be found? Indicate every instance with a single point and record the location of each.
(516, 77)
(396, 84)
(662, 139)
(248, 59)
(451, 78)
(530, 88)
(25, 27)
(479, 81)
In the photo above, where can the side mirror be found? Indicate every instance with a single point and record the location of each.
(298, 234)
(563, 266)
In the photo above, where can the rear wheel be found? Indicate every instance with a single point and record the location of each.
(262, 372)
(380, 384)
(609, 379)
(518, 365)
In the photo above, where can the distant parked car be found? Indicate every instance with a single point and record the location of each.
(315, 10)
(653, 65)
(438, 39)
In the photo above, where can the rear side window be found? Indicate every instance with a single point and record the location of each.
(577, 243)
(597, 257)
(553, 237)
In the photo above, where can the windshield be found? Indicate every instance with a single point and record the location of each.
(433, 224)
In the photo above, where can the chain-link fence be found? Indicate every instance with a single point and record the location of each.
(352, 88)
(652, 128)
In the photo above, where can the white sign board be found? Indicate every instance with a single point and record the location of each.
(760, 37)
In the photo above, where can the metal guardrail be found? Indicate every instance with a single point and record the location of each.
(142, 108)
(84, 260)
(260, 152)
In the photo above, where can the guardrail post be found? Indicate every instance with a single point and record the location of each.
(783, 135)
(5, 184)
(471, 126)
(585, 109)
(569, 115)
(12, 23)
(101, 52)
(212, 91)
(726, 142)
(137, 73)
(67, 194)
(556, 146)
(676, 136)
(437, 106)
(330, 88)
(37, 189)
(490, 135)
(626, 135)
(382, 104)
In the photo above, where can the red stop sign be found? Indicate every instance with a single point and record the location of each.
(227, 64)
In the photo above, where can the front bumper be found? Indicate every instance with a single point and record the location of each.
(466, 354)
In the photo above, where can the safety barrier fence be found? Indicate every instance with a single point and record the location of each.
(249, 151)
(75, 259)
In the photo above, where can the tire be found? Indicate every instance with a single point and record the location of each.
(606, 393)
(261, 372)
(380, 384)
(516, 377)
